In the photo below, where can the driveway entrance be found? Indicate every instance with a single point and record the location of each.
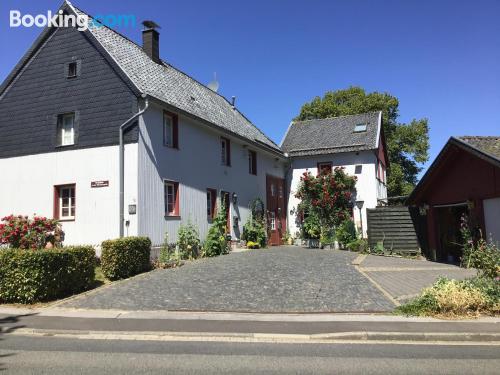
(279, 279)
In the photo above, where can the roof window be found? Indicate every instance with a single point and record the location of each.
(360, 128)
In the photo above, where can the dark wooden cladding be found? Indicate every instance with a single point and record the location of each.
(394, 226)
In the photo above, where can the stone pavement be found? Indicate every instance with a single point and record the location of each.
(281, 279)
(404, 278)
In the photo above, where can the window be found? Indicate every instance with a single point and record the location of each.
(272, 220)
(64, 202)
(171, 198)
(325, 167)
(358, 169)
(360, 128)
(273, 190)
(252, 162)
(170, 130)
(211, 202)
(66, 129)
(72, 69)
(225, 150)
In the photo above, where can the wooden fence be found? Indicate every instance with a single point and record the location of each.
(394, 227)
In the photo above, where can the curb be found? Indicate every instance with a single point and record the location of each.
(362, 336)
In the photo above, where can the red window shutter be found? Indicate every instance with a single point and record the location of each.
(56, 202)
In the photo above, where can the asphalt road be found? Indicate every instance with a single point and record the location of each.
(48, 355)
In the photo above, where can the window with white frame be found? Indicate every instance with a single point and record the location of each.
(67, 202)
(358, 128)
(272, 220)
(66, 129)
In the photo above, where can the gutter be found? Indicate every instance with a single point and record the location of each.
(127, 124)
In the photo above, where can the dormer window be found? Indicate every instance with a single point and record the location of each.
(360, 128)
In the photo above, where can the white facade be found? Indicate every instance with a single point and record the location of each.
(196, 166)
(28, 184)
(369, 189)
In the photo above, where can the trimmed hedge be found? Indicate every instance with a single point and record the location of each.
(125, 257)
(28, 276)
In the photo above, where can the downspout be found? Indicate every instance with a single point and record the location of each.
(124, 127)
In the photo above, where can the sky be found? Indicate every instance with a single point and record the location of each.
(441, 59)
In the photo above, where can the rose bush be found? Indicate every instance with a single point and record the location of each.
(22, 232)
(326, 197)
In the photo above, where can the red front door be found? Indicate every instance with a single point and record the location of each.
(276, 214)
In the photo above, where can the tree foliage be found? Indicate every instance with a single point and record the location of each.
(407, 144)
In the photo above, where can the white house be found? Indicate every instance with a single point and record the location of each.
(353, 142)
(100, 133)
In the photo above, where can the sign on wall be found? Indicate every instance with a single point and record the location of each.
(99, 184)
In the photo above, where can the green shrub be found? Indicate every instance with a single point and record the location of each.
(483, 256)
(254, 231)
(216, 242)
(125, 257)
(188, 242)
(346, 233)
(28, 276)
(359, 245)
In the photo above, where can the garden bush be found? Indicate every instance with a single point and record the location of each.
(125, 257)
(188, 242)
(216, 242)
(21, 232)
(456, 297)
(346, 233)
(29, 276)
(254, 231)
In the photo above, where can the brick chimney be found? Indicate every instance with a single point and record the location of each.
(151, 40)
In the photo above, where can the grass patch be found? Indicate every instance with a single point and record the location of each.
(453, 298)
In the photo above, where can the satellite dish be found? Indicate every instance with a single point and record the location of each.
(214, 85)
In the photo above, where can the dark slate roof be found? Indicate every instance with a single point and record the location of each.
(332, 135)
(488, 145)
(170, 85)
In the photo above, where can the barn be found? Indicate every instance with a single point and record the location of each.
(464, 179)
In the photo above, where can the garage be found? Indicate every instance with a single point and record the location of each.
(463, 181)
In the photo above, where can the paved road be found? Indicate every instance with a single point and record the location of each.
(285, 279)
(28, 355)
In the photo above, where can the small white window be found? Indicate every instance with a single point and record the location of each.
(168, 130)
(360, 128)
(272, 220)
(66, 129)
(67, 202)
(210, 203)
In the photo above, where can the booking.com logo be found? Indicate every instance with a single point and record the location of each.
(82, 22)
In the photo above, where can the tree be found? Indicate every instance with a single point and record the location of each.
(407, 144)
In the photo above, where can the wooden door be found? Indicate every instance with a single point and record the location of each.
(276, 213)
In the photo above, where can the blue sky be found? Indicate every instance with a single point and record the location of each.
(440, 58)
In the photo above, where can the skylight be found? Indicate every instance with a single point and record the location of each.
(360, 128)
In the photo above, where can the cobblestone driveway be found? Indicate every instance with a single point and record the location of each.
(283, 279)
